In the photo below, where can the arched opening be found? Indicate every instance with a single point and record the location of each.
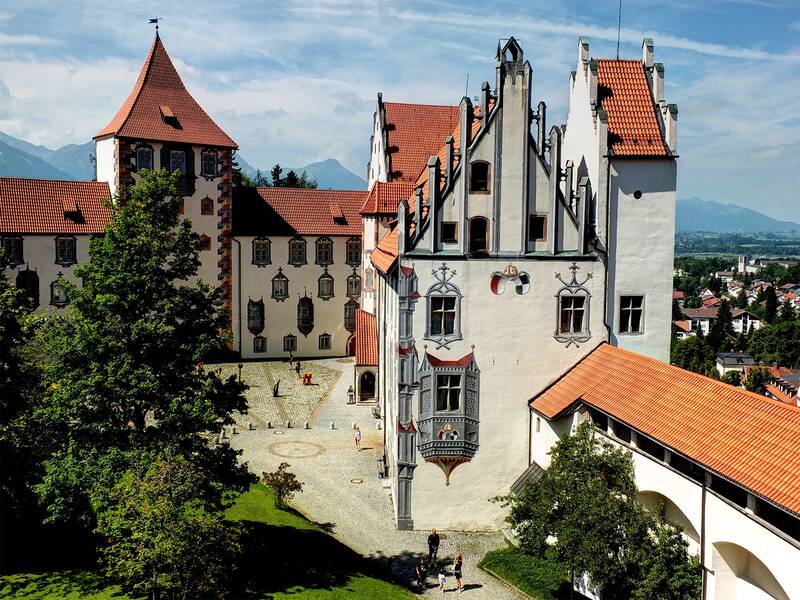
(351, 345)
(479, 177)
(366, 386)
(478, 235)
(738, 573)
(661, 505)
(28, 282)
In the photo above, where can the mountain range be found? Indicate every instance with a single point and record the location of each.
(19, 158)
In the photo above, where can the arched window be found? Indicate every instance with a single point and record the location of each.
(350, 309)
(28, 282)
(280, 286)
(262, 251)
(479, 177)
(325, 286)
(297, 251)
(369, 283)
(58, 294)
(478, 235)
(324, 251)
(305, 315)
(144, 157)
(255, 316)
(354, 251)
(354, 285)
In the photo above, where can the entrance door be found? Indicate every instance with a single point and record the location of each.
(366, 386)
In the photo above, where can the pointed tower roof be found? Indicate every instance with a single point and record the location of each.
(160, 108)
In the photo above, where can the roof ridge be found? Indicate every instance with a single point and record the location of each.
(421, 104)
(54, 180)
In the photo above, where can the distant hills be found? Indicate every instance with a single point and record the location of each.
(19, 158)
(694, 214)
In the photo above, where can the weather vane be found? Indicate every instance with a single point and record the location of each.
(155, 21)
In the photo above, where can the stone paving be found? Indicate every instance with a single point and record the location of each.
(342, 490)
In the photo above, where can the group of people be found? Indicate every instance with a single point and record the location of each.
(423, 566)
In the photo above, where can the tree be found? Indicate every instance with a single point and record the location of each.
(583, 513)
(733, 378)
(239, 177)
(275, 173)
(757, 380)
(666, 570)
(161, 536)
(18, 388)
(741, 299)
(693, 354)
(721, 328)
(125, 373)
(771, 310)
(292, 179)
(677, 313)
(283, 482)
(787, 312)
(777, 344)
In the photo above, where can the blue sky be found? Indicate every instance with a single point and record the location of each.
(295, 82)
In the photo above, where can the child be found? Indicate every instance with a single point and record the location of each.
(457, 571)
(357, 438)
(442, 581)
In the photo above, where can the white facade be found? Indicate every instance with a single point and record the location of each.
(743, 556)
(254, 282)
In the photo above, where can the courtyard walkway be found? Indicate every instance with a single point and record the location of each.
(342, 490)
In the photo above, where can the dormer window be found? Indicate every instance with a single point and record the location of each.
(144, 158)
(479, 177)
(168, 116)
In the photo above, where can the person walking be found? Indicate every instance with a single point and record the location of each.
(422, 574)
(457, 563)
(357, 438)
(442, 581)
(297, 368)
(433, 547)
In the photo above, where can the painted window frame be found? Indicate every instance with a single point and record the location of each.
(353, 254)
(66, 247)
(276, 294)
(350, 320)
(57, 284)
(298, 251)
(256, 316)
(354, 285)
(262, 245)
(147, 150)
(323, 245)
(172, 156)
(472, 188)
(259, 344)
(205, 243)
(290, 343)
(14, 249)
(443, 288)
(206, 206)
(213, 155)
(326, 338)
(571, 311)
(325, 278)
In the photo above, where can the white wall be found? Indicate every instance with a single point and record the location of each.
(281, 316)
(105, 151)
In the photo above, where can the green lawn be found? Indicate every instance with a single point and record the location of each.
(287, 557)
(540, 579)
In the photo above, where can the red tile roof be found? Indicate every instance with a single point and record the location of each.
(384, 197)
(159, 92)
(624, 93)
(779, 394)
(683, 325)
(366, 339)
(290, 211)
(52, 206)
(740, 435)
(459, 362)
(415, 132)
(384, 256)
(677, 295)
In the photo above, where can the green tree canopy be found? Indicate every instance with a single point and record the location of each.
(771, 310)
(777, 344)
(694, 354)
(126, 363)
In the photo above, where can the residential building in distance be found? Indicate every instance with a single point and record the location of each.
(733, 361)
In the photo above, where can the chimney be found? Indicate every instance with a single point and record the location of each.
(647, 53)
(541, 120)
(402, 227)
(485, 93)
(433, 197)
(658, 83)
(449, 166)
(583, 51)
(670, 113)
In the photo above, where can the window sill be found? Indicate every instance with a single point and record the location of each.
(261, 264)
(66, 263)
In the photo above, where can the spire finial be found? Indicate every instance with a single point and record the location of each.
(155, 22)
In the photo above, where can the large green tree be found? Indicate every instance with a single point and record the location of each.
(777, 344)
(721, 332)
(771, 306)
(126, 370)
(694, 354)
(161, 536)
(583, 513)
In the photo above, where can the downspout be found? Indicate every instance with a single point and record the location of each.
(239, 292)
(703, 540)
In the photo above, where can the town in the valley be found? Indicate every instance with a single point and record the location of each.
(425, 352)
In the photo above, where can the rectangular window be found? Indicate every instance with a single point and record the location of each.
(324, 342)
(290, 343)
(209, 164)
(297, 252)
(448, 392)
(261, 252)
(443, 315)
(177, 160)
(259, 344)
(325, 287)
(12, 248)
(205, 242)
(65, 251)
(324, 252)
(144, 158)
(571, 318)
(354, 286)
(280, 288)
(449, 232)
(354, 252)
(537, 228)
(630, 314)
